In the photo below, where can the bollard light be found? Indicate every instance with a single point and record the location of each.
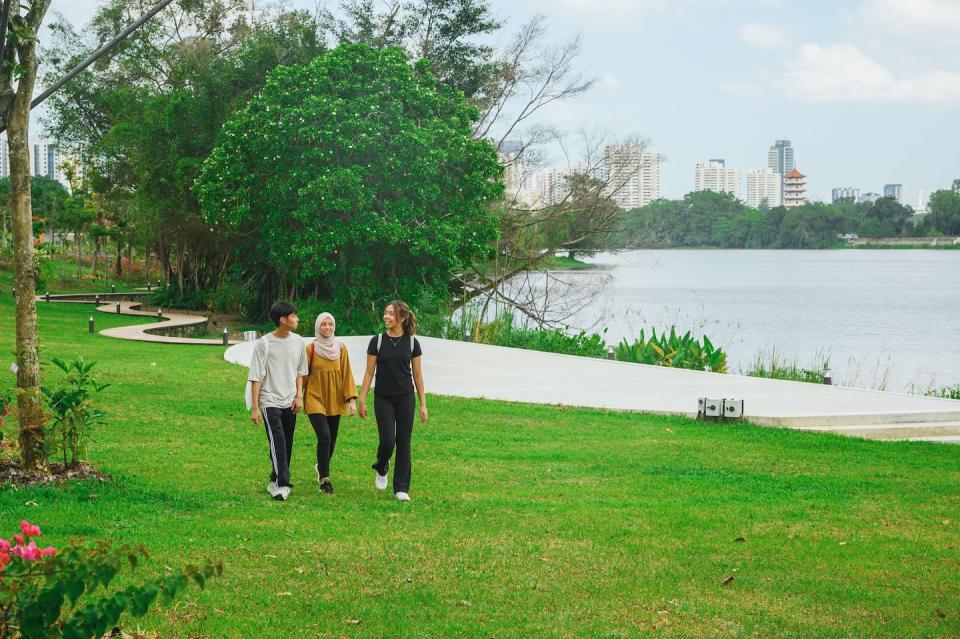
(148, 285)
(47, 296)
(113, 288)
(90, 323)
(468, 336)
(610, 353)
(828, 377)
(13, 293)
(226, 339)
(159, 314)
(118, 308)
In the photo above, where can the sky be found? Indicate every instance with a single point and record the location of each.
(868, 91)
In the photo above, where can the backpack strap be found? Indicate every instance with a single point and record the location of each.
(379, 342)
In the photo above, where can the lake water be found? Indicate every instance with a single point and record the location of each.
(887, 319)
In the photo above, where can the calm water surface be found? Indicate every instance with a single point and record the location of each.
(885, 318)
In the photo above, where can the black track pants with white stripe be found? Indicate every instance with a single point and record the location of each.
(279, 424)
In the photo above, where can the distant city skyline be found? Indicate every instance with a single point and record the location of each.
(866, 90)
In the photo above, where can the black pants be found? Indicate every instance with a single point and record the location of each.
(326, 427)
(279, 423)
(395, 423)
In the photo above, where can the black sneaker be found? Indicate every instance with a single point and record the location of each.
(326, 487)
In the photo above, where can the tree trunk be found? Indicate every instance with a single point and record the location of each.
(30, 409)
(118, 263)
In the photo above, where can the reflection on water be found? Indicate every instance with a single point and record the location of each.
(882, 315)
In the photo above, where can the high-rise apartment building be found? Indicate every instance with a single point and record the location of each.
(713, 175)
(515, 173)
(794, 189)
(844, 193)
(764, 188)
(44, 159)
(893, 190)
(780, 160)
(632, 175)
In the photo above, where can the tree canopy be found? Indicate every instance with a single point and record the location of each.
(360, 175)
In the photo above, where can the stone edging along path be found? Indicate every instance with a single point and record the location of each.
(131, 307)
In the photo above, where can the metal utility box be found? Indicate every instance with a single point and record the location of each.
(710, 407)
(733, 408)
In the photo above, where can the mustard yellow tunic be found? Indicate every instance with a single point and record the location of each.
(330, 384)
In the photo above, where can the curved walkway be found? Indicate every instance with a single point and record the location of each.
(138, 332)
(463, 369)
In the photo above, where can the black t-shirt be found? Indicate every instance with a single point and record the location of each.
(394, 375)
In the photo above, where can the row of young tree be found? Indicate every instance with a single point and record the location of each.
(709, 219)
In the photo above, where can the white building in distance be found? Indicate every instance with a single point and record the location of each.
(764, 187)
(713, 175)
(794, 189)
(632, 175)
(45, 159)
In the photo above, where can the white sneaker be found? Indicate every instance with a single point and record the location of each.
(380, 482)
(283, 494)
(273, 489)
(401, 496)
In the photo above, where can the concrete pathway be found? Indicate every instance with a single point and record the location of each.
(476, 370)
(139, 332)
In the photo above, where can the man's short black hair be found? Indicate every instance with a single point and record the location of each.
(281, 309)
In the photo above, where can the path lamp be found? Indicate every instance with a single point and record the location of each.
(226, 338)
(828, 377)
(159, 314)
(610, 353)
(113, 288)
(96, 299)
(118, 308)
(46, 297)
(148, 285)
(90, 324)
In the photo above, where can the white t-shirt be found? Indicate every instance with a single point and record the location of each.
(286, 361)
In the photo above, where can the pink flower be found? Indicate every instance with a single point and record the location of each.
(34, 531)
(25, 527)
(4, 560)
(18, 539)
(4, 545)
(49, 550)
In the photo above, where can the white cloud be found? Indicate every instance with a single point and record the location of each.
(844, 73)
(912, 15)
(764, 35)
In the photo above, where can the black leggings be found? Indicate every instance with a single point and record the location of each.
(326, 427)
(395, 423)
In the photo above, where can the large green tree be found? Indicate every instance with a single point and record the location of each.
(360, 175)
(18, 66)
(944, 212)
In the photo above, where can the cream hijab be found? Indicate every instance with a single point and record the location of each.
(328, 348)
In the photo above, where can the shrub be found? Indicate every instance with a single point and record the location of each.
(945, 392)
(41, 588)
(673, 351)
(73, 415)
(772, 366)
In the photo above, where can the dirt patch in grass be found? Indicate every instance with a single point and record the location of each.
(11, 473)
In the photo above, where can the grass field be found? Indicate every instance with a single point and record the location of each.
(526, 521)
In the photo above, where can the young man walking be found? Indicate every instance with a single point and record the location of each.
(277, 370)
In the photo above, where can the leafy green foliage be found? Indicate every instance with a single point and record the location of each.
(48, 594)
(674, 351)
(360, 174)
(944, 212)
(73, 415)
(946, 392)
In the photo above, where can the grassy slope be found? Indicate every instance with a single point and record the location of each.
(527, 521)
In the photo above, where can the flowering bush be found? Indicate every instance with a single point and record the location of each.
(40, 588)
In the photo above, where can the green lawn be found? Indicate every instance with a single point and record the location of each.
(526, 521)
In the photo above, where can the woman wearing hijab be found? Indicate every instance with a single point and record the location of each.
(330, 392)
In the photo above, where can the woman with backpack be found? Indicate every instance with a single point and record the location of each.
(394, 356)
(329, 392)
